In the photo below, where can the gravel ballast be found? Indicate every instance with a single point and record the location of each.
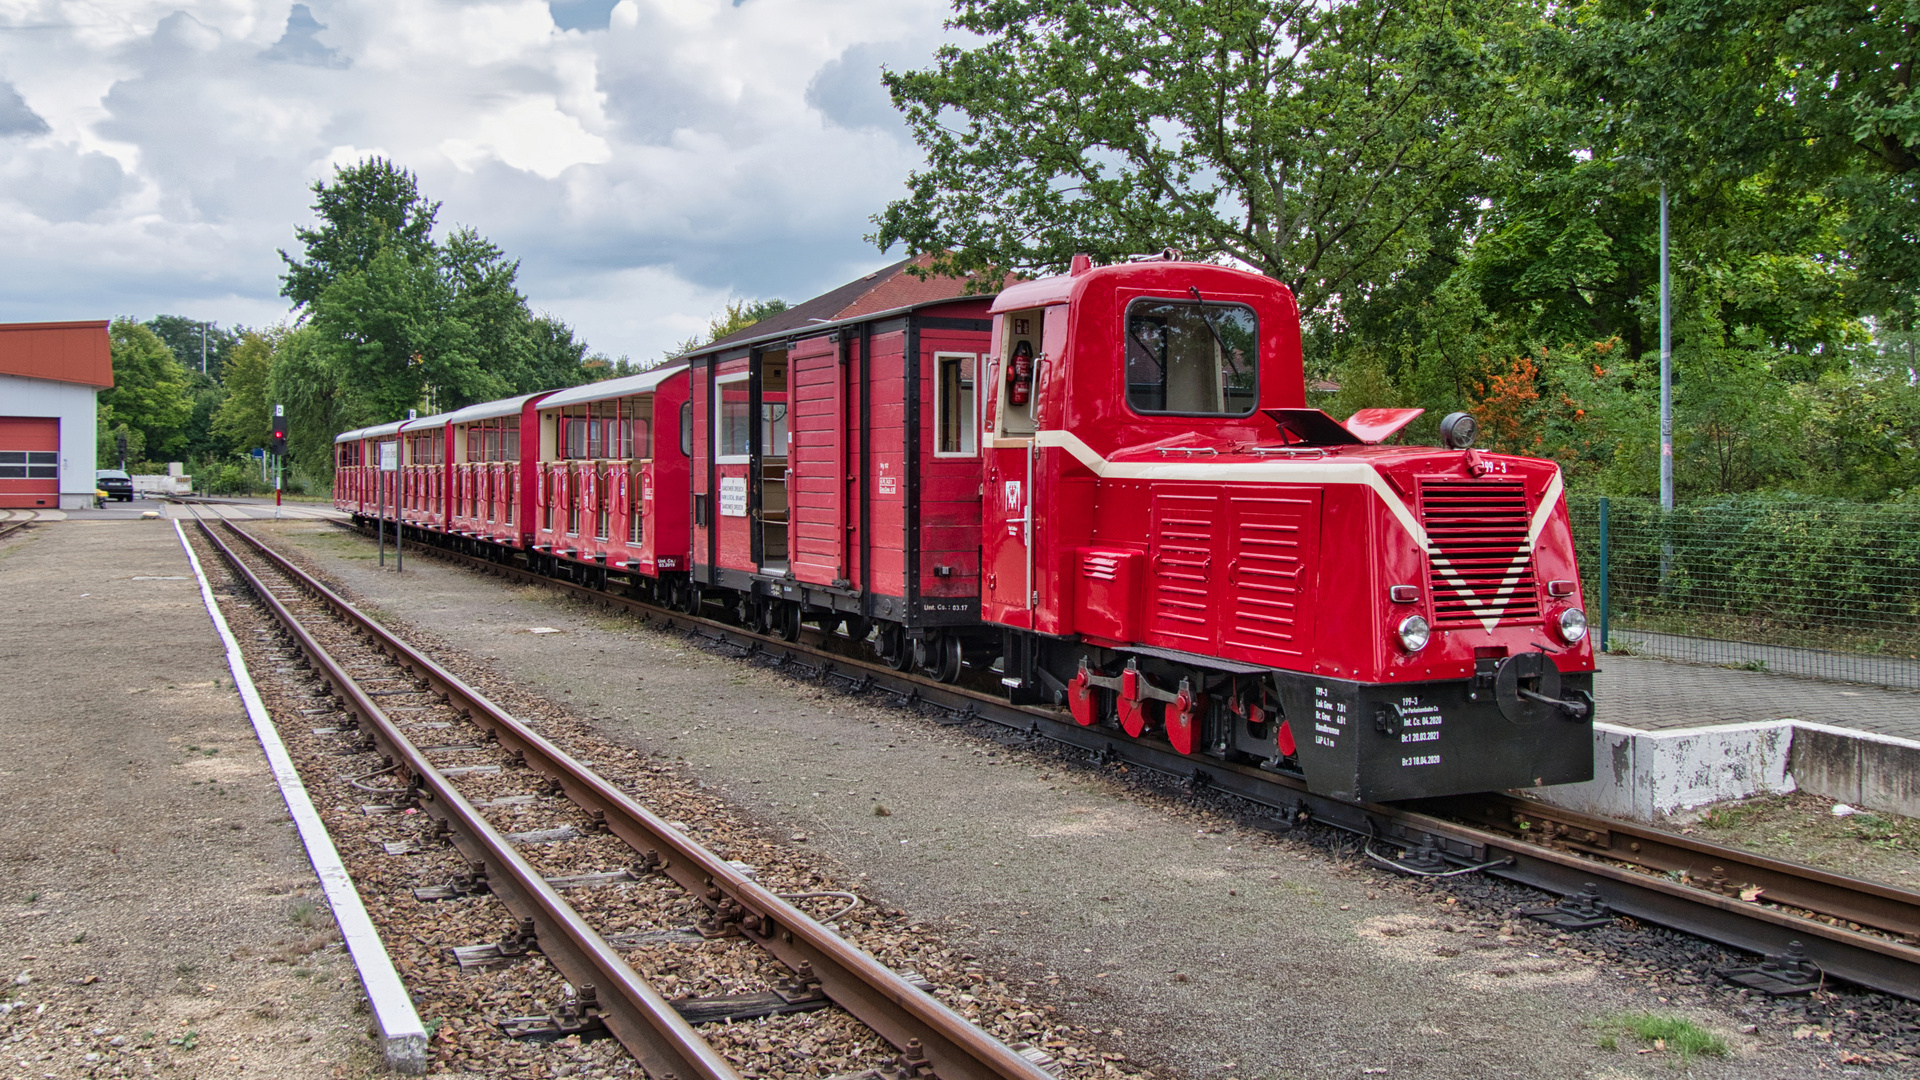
(1187, 942)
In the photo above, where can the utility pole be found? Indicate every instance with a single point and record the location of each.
(1666, 364)
(203, 348)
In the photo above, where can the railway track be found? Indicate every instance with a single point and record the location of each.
(926, 1039)
(1808, 924)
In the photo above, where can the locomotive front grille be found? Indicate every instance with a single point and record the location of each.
(1481, 564)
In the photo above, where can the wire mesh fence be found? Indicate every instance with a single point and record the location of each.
(1818, 589)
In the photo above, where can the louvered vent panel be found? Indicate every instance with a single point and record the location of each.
(1482, 564)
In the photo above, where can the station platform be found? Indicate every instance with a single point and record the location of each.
(1662, 695)
(232, 509)
(151, 873)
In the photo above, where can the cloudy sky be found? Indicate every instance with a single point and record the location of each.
(646, 159)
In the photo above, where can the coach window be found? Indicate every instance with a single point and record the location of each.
(732, 419)
(953, 407)
(686, 428)
(1193, 359)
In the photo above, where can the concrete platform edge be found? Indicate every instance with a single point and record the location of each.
(1647, 775)
(403, 1036)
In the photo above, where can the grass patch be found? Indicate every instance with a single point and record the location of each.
(1662, 1031)
(304, 913)
(1726, 817)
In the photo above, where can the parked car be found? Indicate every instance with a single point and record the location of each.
(116, 484)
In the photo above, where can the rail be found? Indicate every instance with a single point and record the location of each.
(1861, 931)
(924, 1030)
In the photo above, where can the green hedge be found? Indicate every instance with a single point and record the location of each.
(1778, 570)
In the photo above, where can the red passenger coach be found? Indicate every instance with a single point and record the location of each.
(488, 502)
(366, 490)
(424, 453)
(610, 479)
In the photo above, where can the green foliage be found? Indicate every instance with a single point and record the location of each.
(394, 319)
(320, 402)
(1808, 573)
(369, 208)
(245, 417)
(150, 390)
(1331, 146)
(189, 337)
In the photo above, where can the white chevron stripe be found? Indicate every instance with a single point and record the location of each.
(1309, 471)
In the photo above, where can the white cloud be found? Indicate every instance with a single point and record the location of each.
(644, 172)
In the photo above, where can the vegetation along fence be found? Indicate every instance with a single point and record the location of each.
(1792, 586)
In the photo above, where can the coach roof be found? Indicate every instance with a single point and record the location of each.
(644, 383)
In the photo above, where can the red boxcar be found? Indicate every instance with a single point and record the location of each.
(837, 468)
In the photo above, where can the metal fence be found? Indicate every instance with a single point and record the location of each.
(1794, 587)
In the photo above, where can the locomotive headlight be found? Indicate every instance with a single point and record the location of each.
(1414, 633)
(1573, 626)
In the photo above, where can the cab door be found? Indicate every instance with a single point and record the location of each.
(1006, 436)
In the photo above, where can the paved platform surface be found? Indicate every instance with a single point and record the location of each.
(1641, 692)
(238, 510)
(150, 883)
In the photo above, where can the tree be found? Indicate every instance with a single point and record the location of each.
(150, 389)
(188, 337)
(369, 207)
(244, 418)
(304, 376)
(410, 322)
(1332, 146)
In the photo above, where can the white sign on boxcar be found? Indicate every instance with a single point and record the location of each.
(733, 496)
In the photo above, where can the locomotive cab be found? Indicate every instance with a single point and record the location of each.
(1179, 549)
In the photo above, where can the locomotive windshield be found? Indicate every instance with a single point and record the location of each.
(1192, 358)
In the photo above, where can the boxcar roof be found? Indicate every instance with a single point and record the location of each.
(889, 290)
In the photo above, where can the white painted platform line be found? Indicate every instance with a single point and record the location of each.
(400, 1027)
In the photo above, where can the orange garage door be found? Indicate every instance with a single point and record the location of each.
(30, 461)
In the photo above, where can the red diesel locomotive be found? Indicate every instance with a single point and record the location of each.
(1101, 491)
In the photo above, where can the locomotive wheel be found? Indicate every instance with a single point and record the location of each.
(1183, 721)
(859, 627)
(1080, 701)
(1133, 716)
(787, 615)
(829, 624)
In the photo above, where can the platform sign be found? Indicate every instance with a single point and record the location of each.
(389, 457)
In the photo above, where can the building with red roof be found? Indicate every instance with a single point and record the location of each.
(49, 374)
